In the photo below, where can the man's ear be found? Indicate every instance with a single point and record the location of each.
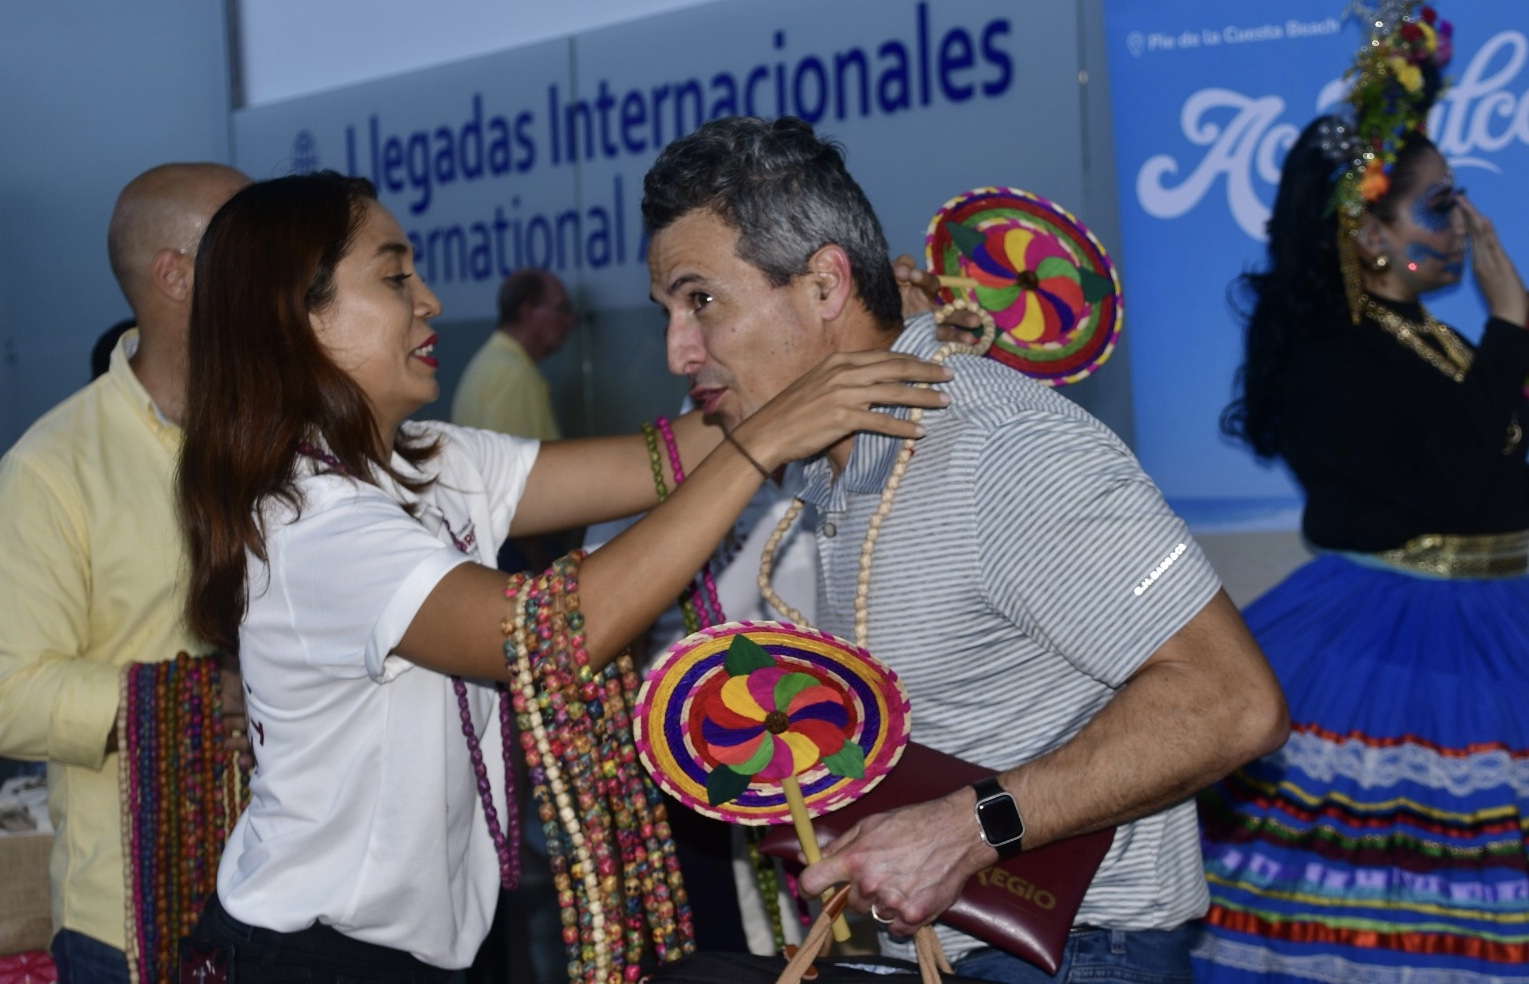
(831, 280)
(171, 271)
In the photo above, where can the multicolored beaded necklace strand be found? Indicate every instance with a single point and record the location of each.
(711, 615)
(612, 854)
(181, 793)
(691, 600)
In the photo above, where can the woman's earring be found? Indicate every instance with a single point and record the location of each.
(1380, 262)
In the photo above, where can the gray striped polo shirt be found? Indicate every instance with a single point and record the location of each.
(1028, 568)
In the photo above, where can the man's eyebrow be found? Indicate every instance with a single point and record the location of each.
(684, 279)
(401, 249)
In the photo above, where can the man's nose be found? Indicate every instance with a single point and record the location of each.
(682, 339)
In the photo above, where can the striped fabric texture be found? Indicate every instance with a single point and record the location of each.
(1028, 568)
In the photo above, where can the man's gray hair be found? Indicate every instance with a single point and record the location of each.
(785, 191)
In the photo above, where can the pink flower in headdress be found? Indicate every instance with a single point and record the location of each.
(1411, 32)
(1446, 49)
(1429, 15)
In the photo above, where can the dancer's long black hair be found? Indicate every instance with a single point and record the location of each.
(1300, 290)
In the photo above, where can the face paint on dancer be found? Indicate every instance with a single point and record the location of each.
(1433, 212)
(1427, 237)
(1434, 209)
(1420, 253)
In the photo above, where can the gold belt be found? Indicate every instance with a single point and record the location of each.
(1462, 556)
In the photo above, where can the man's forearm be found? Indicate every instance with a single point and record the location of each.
(1203, 705)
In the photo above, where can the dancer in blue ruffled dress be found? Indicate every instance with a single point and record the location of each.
(1386, 840)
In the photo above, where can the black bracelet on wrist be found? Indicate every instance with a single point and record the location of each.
(729, 438)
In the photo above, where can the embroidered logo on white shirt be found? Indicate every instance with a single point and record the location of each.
(1159, 570)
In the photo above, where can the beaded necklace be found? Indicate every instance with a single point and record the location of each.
(888, 493)
(688, 599)
(709, 603)
(180, 795)
(609, 844)
(506, 838)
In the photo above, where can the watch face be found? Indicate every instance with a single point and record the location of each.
(1000, 820)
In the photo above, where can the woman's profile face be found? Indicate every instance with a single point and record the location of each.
(376, 326)
(1426, 239)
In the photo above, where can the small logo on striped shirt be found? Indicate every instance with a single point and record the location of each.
(1158, 571)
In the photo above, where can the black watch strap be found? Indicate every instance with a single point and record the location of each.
(998, 819)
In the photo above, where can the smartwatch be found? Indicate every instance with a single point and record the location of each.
(998, 819)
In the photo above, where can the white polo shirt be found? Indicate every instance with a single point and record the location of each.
(364, 812)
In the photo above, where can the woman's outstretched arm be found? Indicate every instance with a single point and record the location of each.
(628, 582)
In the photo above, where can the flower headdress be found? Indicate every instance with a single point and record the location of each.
(1395, 79)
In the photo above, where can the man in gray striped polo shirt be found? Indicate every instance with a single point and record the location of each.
(1049, 614)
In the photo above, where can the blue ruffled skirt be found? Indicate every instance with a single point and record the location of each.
(1386, 841)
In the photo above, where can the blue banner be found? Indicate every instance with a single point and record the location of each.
(535, 156)
(1206, 99)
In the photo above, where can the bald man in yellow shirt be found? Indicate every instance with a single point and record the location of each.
(92, 563)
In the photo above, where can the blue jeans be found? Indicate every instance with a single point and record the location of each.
(82, 959)
(1097, 956)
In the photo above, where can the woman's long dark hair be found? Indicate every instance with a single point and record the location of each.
(1300, 292)
(261, 383)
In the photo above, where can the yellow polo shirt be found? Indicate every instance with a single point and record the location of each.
(502, 390)
(92, 576)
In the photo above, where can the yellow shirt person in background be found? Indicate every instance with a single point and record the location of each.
(91, 560)
(502, 389)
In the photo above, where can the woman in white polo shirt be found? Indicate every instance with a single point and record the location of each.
(347, 555)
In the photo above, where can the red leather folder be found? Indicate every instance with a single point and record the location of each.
(1024, 905)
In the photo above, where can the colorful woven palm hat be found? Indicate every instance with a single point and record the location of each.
(728, 713)
(1043, 276)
